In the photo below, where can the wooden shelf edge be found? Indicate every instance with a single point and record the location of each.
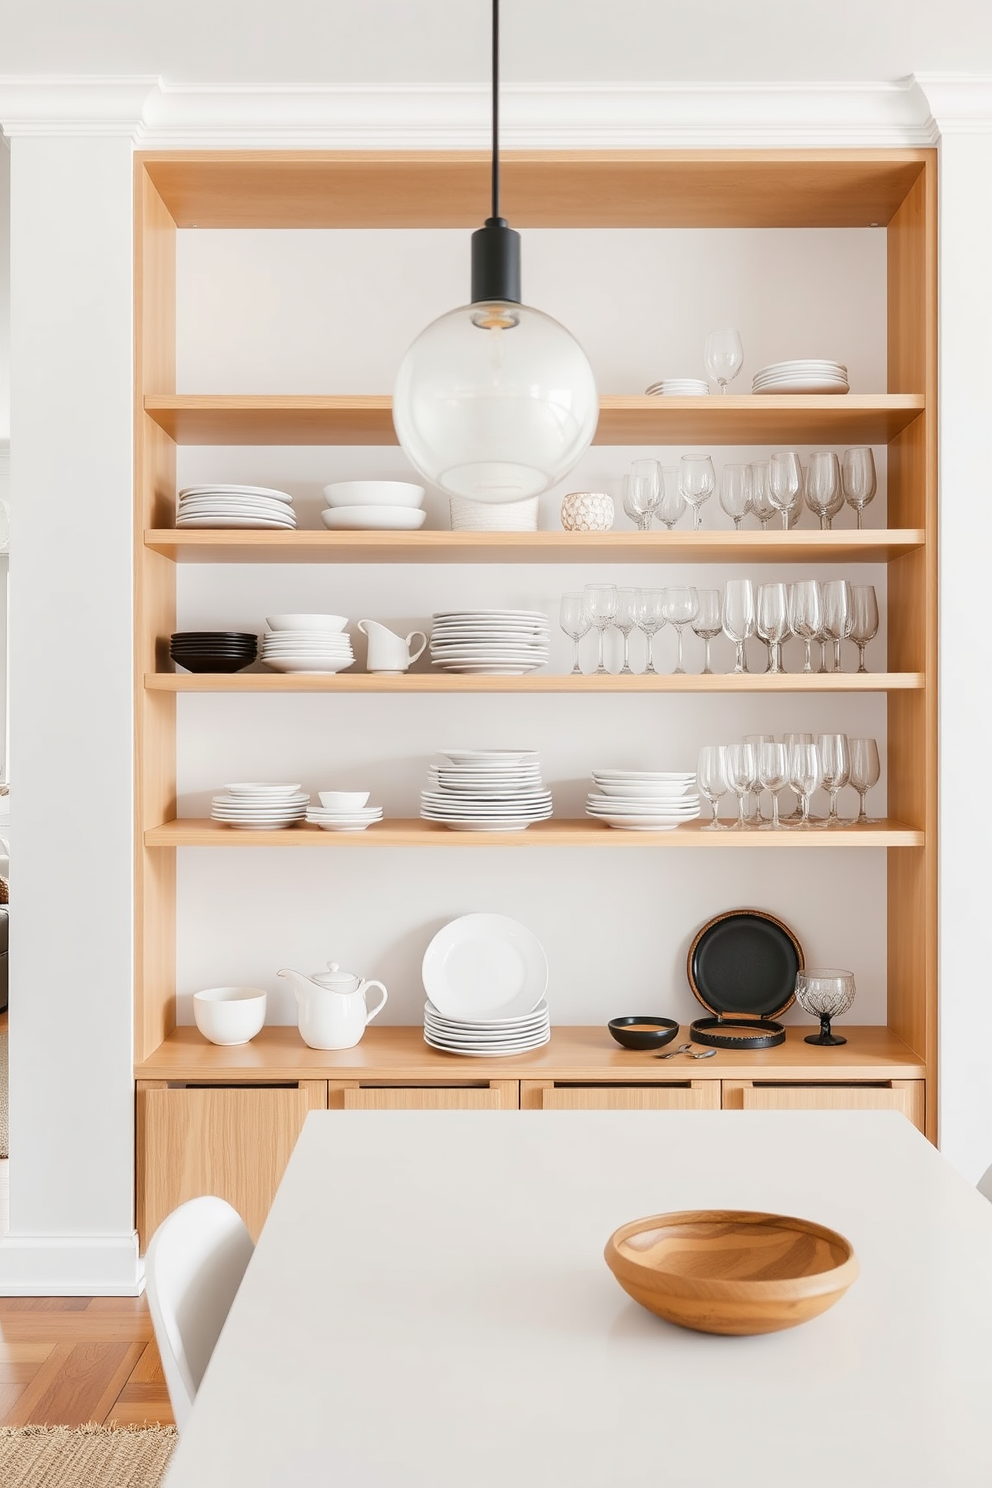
(422, 682)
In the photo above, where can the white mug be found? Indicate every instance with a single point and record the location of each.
(388, 652)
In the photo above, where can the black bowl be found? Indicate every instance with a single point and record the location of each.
(643, 1033)
(228, 637)
(214, 648)
(213, 663)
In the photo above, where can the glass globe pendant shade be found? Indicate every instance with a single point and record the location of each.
(495, 402)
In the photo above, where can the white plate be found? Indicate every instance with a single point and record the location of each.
(538, 1015)
(245, 522)
(237, 490)
(319, 666)
(643, 777)
(491, 614)
(805, 387)
(263, 787)
(374, 518)
(489, 1053)
(645, 823)
(484, 966)
(265, 826)
(488, 758)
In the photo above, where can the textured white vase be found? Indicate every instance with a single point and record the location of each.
(587, 511)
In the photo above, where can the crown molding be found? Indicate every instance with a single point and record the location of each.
(161, 115)
(958, 103)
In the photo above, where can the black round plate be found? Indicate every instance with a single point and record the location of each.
(643, 1033)
(213, 663)
(745, 961)
(739, 1033)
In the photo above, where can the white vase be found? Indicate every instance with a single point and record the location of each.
(491, 516)
(587, 511)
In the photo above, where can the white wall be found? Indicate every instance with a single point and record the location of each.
(4, 288)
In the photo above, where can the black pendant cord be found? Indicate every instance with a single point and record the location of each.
(495, 247)
(495, 163)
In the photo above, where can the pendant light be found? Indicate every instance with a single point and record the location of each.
(495, 401)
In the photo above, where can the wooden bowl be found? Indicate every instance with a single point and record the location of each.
(731, 1270)
(643, 1033)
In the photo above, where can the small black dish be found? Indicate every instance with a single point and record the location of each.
(737, 1033)
(205, 663)
(643, 1033)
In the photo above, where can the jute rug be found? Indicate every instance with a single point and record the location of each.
(85, 1456)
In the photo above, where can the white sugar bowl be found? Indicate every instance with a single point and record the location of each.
(587, 511)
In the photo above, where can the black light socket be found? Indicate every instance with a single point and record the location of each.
(496, 262)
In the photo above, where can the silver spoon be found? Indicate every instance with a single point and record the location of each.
(682, 1049)
(706, 1054)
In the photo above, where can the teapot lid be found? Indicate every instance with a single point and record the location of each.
(334, 976)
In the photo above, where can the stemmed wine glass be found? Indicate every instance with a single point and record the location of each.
(837, 616)
(724, 356)
(835, 760)
(790, 741)
(600, 601)
(697, 482)
(785, 483)
(738, 617)
(865, 770)
(824, 491)
(760, 503)
(679, 605)
(575, 622)
(773, 776)
(708, 622)
(671, 502)
(742, 775)
(640, 493)
(625, 622)
(649, 614)
(805, 776)
(859, 479)
(772, 621)
(713, 782)
(805, 614)
(826, 994)
(864, 619)
(754, 816)
(735, 491)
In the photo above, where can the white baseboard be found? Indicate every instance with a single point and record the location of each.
(71, 1266)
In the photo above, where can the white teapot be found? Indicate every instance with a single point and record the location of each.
(333, 1013)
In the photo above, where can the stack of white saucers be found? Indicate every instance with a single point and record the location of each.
(235, 506)
(307, 643)
(643, 800)
(485, 976)
(679, 387)
(504, 643)
(332, 820)
(260, 805)
(811, 376)
(486, 790)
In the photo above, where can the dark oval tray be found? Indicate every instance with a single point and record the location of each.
(745, 961)
(743, 1033)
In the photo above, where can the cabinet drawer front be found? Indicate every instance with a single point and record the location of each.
(695, 1095)
(500, 1095)
(229, 1142)
(905, 1096)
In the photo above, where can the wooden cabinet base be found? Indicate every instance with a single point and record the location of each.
(673, 1095)
(907, 1096)
(486, 1095)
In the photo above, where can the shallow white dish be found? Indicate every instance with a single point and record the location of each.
(534, 1018)
(246, 522)
(488, 1053)
(263, 788)
(218, 489)
(484, 966)
(488, 758)
(307, 623)
(320, 666)
(374, 518)
(374, 493)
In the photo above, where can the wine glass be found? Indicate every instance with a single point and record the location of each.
(760, 504)
(865, 770)
(711, 778)
(785, 482)
(837, 616)
(773, 776)
(790, 741)
(697, 482)
(756, 741)
(805, 776)
(864, 619)
(742, 775)
(626, 621)
(805, 614)
(708, 622)
(650, 617)
(679, 605)
(826, 994)
(575, 622)
(836, 762)
(859, 479)
(600, 601)
(824, 491)
(639, 496)
(735, 491)
(671, 502)
(772, 621)
(724, 356)
(738, 617)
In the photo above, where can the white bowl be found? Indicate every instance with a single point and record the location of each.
(344, 800)
(373, 518)
(306, 622)
(374, 493)
(229, 1015)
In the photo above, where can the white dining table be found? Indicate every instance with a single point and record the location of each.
(428, 1304)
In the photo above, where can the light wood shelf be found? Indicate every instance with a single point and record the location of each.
(276, 683)
(208, 545)
(191, 831)
(253, 419)
(575, 1053)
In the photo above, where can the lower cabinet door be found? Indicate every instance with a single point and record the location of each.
(491, 1095)
(686, 1095)
(906, 1096)
(232, 1141)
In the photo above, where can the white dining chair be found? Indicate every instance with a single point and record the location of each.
(984, 1185)
(193, 1269)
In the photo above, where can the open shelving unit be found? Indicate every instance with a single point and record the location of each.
(221, 1104)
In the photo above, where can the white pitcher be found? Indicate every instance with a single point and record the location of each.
(332, 1010)
(389, 652)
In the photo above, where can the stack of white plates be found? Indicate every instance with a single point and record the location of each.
(801, 377)
(679, 387)
(260, 805)
(485, 976)
(504, 643)
(309, 649)
(234, 506)
(486, 790)
(344, 821)
(643, 800)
